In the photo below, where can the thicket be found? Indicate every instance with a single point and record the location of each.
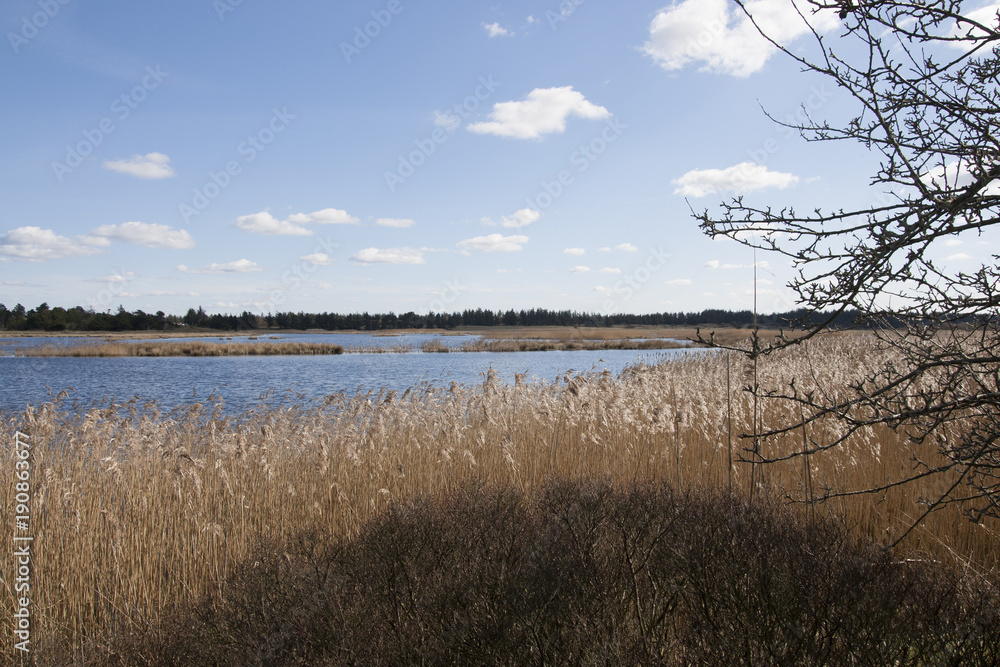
(581, 573)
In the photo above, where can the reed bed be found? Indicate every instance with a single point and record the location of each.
(206, 349)
(532, 345)
(180, 349)
(136, 511)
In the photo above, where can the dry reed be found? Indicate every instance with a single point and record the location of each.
(135, 511)
(180, 349)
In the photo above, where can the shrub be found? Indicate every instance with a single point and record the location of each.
(583, 573)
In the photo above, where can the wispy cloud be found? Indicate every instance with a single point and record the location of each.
(395, 222)
(147, 234)
(151, 166)
(389, 256)
(265, 223)
(493, 243)
(239, 266)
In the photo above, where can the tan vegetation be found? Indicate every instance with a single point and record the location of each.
(224, 349)
(135, 510)
(180, 349)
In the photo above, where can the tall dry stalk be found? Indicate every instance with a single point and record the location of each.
(136, 510)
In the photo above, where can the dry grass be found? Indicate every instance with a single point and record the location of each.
(545, 345)
(180, 349)
(135, 511)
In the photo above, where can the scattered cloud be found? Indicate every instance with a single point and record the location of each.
(318, 258)
(495, 30)
(543, 111)
(627, 247)
(740, 178)
(448, 120)
(580, 269)
(327, 216)
(151, 166)
(604, 249)
(608, 269)
(712, 264)
(239, 266)
(147, 234)
(389, 256)
(395, 222)
(265, 223)
(717, 35)
(574, 251)
(493, 243)
(951, 243)
(958, 256)
(680, 281)
(521, 218)
(34, 244)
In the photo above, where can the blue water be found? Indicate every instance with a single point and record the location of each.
(244, 382)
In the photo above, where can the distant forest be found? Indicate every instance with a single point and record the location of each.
(44, 318)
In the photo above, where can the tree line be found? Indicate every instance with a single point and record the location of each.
(45, 318)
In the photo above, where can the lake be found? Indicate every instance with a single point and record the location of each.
(244, 382)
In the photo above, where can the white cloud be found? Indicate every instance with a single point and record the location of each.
(543, 111)
(239, 266)
(150, 166)
(951, 243)
(521, 218)
(680, 281)
(712, 264)
(958, 256)
(447, 120)
(493, 243)
(150, 235)
(389, 256)
(604, 249)
(265, 223)
(580, 269)
(627, 247)
(986, 16)
(574, 251)
(740, 178)
(395, 222)
(608, 269)
(327, 216)
(495, 30)
(34, 244)
(717, 34)
(318, 258)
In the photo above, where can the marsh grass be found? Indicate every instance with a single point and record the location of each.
(264, 348)
(546, 345)
(136, 511)
(180, 349)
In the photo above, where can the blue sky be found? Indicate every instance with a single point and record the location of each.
(400, 155)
